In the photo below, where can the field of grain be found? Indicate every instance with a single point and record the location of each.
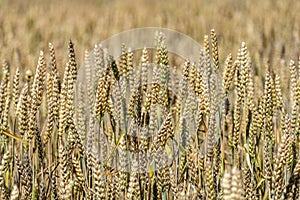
(78, 123)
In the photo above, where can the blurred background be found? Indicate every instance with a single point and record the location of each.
(270, 28)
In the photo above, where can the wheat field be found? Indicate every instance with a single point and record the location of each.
(78, 123)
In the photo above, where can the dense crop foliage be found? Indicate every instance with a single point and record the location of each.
(148, 125)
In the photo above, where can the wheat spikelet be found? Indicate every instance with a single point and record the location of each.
(90, 144)
(75, 139)
(37, 92)
(25, 172)
(198, 81)
(164, 64)
(16, 89)
(158, 49)
(194, 172)
(134, 106)
(122, 62)
(278, 173)
(192, 76)
(253, 132)
(2, 98)
(3, 167)
(279, 97)
(55, 83)
(215, 50)
(184, 81)
(267, 162)
(81, 113)
(5, 96)
(268, 129)
(153, 117)
(294, 117)
(62, 99)
(249, 189)
(64, 171)
(145, 65)
(118, 114)
(156, 86)
(54, 188)
(205, 107)
(143, 163)
(228, 73)
(89, 80)
(102, 95)
(99, 178)
(123, 164)
(130, 67)
(133, 186)
(50, 118)
(78, 172)
(237, 109)
(217, 165)
(109, 183)
(163, 134)
(211, 137)
(66, 111)
(71, 78)
(209, 178)
(40, 146)
(244, 70)
(174, 186)
(99, 63)
(72, 60)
